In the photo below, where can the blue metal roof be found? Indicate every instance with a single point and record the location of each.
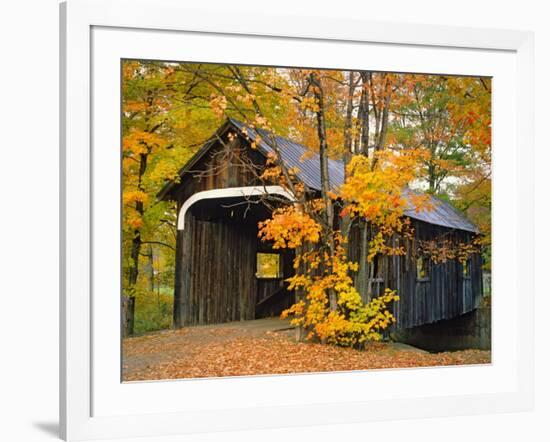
(297, 156)
(307, 164)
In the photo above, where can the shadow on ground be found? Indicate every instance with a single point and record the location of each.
(51, 428)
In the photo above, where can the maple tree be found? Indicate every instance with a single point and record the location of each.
(331, 308)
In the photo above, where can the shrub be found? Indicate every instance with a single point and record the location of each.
(153, 311)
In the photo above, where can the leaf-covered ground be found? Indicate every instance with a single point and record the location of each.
(264, 347)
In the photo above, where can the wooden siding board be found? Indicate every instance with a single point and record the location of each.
(445, 295)
(220, 264)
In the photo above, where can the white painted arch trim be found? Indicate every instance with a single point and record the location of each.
(231, 192)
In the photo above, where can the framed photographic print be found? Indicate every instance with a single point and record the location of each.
(323, 220)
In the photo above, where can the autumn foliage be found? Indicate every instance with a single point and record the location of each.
(395, 132)
(231, 350)
(373, 190)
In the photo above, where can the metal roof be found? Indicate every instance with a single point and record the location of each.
(307, 164)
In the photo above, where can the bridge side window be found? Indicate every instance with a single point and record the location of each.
(268, 266)
(467, 269)
(422, 268)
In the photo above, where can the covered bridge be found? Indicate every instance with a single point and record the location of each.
(225, 273)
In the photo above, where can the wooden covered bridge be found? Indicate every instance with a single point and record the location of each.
(225, 273)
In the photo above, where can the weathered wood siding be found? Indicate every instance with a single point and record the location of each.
(444, 294)
(216, 252)
(233, 173)
(215, 275)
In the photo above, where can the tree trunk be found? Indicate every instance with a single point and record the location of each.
(382, 119)
(128, 310)
(299, 293)
(134, 256)
(363, 271)
(132, 280)
(375, 108)
(431, 179)
(349, 119)
(149, 269)
(384, 122)
(432, 170)
(364, 116)
(135, 251)
(323, 151)
(325, 179)
(348, 150)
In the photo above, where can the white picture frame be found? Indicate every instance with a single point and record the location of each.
(89, 405)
